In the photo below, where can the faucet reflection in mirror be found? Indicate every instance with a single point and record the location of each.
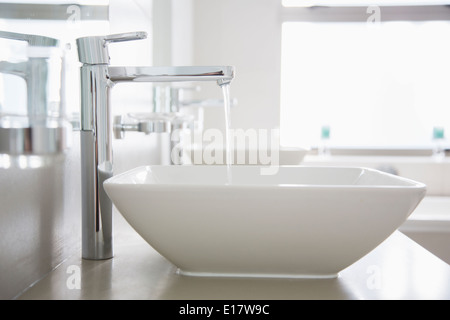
(28, 136)
(97, 80)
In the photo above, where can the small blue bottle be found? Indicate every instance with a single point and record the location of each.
(324, 146)
(438, 143)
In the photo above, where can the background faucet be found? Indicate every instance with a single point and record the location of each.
(40, 131)
(34, 71)
(96, 128)
(169, 100)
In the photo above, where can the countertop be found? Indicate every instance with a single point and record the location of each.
(399, 268)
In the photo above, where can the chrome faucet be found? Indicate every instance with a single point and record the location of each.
(34, 71)
(40, 132)
(97, 80)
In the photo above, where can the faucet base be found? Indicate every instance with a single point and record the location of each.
(97, 224)
(38, 140)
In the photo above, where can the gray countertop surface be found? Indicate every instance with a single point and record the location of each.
(399, 268)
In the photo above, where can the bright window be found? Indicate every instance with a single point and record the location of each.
(376, 85)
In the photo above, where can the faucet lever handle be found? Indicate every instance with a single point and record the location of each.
(94, 50)
(33, 40)
(129, 36)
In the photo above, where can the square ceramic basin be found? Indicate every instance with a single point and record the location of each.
(303, 222)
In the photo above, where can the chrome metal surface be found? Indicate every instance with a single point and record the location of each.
(145, 126)
(38, 140)
(94, 50)
(36, 133)
(97, 127)
(96, 207)
(34, 71)
(33, 40)
(221, 74)
(96, 162)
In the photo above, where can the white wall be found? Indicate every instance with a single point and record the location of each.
(128, 16)
(243, 33)
(247, 35)
(172, 32)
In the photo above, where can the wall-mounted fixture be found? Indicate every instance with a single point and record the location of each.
(28, 136)
(167, 116)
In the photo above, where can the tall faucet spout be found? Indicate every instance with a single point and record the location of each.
(221, 74)
(97, 80)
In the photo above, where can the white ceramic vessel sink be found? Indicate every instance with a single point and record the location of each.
(309, 222)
